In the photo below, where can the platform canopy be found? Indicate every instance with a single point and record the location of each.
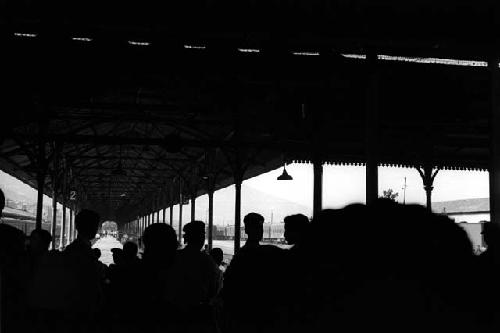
(129, 99)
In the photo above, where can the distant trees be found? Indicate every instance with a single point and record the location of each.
(390, 194)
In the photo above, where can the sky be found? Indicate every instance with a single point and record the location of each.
(342, 185)
(346, 184)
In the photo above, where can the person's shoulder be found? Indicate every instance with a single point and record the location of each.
(267, 249)
(74, 247)
(208, 258)
(51, 258)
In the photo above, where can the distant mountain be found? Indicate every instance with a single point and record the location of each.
(272, 208)
(476, 205)
(14, 193)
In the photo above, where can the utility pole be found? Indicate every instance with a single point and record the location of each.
(404, 192)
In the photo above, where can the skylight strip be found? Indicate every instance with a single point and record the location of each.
(304, 53)
(249, 50)
(137, 43)
(24, 34)
(196, 47)
(438, 61)
(82, 39)
(354, 56)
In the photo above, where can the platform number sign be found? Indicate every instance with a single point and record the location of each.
(72, 195)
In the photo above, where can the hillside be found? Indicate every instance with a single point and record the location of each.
(272, 208)
(475, 205)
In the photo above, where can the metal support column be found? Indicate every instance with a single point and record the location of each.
(54, 196)
(75, 212)
(64, 231)
(193, 207)
(63, 226)
(171, 214)
(39, 203)
(210, 218)
(70, 225)
(371, 139)
(157, 207)
(54, 216)
(42, 169)
(318, 186)
(237, 213)
(180, 210)
(427, 174)
(494, 170)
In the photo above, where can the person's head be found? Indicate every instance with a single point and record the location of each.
(2, 202)
(87, 224)
(96, 252)
(194, 234)
(130, 250)
(117, 255)
(296, 228)
(491, 234)
(160, 241)
(217, 255)
(254, 226)
(39, 241)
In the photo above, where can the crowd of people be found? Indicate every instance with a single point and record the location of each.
(383, 266)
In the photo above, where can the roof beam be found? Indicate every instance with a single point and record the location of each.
(133, 158)
(117, 140)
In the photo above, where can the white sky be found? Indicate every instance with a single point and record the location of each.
(341, 185)
(346, 184)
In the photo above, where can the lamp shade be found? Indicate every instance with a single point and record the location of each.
(285, 175)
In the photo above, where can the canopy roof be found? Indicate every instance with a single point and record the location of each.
(136, 97)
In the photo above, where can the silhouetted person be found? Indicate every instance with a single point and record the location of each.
(14, 271)
(39, 243)
(386, 265)
(192, 282)
(85, 298)
(296, 283)
(296, 229)
(2, 202)
(489, 264)
(113, 270)
(254, 229)
(86, 224)
(253, 297)
(102, 267)
(491, 236)
(130, 250)
(218, 256)
(66, 289)
(160, 249)
(97, 253)
(160, 245)
(117, 255)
